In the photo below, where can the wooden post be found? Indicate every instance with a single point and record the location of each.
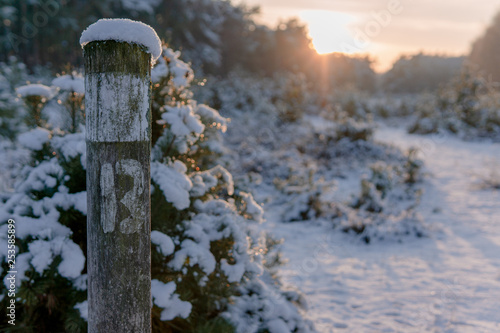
(118, 135)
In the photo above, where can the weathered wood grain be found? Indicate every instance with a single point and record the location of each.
(118, 138)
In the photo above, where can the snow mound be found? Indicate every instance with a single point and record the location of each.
(181, 72)
(34, 90)
(83, 308)
(182, 119)
(173, 181)
(43, 252)
(163, 296)
(70, 83)
(34, 139)
(165, 243)
(124, 30)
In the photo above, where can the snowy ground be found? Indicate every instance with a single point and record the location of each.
(449, 282)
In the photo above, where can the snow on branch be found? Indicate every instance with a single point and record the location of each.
(34, 90)
(68, 82)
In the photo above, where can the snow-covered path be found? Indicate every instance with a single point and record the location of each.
(449, 282)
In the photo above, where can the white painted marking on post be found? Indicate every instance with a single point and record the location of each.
(108, 204)
(113, 116)
(132, 199)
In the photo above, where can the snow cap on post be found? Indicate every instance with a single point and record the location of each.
(124, 30)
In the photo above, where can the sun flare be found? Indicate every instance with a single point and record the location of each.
(328, 30)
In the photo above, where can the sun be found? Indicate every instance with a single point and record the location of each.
(328, 30)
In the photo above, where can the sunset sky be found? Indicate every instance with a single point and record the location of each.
(386, 28)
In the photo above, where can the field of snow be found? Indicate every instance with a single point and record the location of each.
(448, 282)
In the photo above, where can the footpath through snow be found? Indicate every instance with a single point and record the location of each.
(449, 282)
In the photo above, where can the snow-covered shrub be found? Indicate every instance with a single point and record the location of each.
(385, 207)
(293, 95)
(491, 179)
(381, 177)
(372, 227)
(208, 258)
(286, 97)
(468, 107)
(13, 117)
(238, 92)
(35, 97)
(391, 106)
(70, 92)
(427, 121)
(370, 199)
(355, 109)
(12, 74)
(413, 167)
(350, 118)
(303, 194)
(354, 131)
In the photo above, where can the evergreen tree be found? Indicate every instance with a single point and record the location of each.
(485, 51)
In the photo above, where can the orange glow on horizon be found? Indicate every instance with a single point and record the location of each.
(328, 30)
